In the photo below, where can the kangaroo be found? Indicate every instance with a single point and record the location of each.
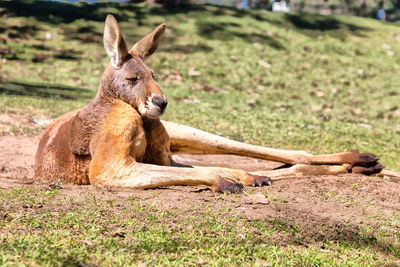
(119, 140)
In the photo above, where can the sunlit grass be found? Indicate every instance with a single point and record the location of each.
(54, 230)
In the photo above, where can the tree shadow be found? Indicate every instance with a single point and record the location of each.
(44, 90)
(186, 7)
(216, 30)
(187, 49)
(314, 25)
(45, 53)
(320, 24)
(85, 34)
(227, 31)
(9, 53)
(56, 12)
(307, 24)
(62, 12)
(22, 32)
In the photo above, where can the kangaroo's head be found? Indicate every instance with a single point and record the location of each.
(127, 77)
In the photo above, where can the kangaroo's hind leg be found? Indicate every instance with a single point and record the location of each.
(185, 139)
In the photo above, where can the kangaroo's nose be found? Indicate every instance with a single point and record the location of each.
(160, 101)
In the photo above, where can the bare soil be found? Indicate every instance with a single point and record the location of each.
(318, 209)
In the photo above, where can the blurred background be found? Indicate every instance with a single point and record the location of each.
(380, 9)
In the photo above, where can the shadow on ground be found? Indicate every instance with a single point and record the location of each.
(227, 31)
(44, 90)
(64, 12)
(56, 12)
(313, 25)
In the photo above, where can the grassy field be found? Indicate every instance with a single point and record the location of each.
(51, 225)
(317, 83)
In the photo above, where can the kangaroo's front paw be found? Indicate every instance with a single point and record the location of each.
(257, 180)
(224, 185)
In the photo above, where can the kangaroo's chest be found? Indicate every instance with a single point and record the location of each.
(138, 144)
(119, 126)
(120, 130)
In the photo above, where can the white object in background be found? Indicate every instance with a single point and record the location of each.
(280, 7)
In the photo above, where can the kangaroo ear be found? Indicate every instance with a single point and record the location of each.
(149, 44)
(114, 42)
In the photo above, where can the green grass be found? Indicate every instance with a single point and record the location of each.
(42, 227)
(317, 83)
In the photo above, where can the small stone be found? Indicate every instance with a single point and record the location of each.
(390, 53)
(241, 236)
(258, 199)
(253, 102)
(257, 44)
(318, 93)
(367, 126)
(386, 46)
(316, 107)
(357, 111)
(193, 72)
(201, 261)
(88, 242)
(264, 64)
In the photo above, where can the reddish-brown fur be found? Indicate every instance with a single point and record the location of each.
(69, 143)
(57, 160)
(118, 138)
(78, 134)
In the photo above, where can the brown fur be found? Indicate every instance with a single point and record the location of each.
(118, 139)
(68, 145)
(54, 159)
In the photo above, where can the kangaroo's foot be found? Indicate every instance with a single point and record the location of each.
(363, 159)
(377, 168)
(224, 185)
(258, 180)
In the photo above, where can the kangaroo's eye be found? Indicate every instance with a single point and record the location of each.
(132, 79)
(131, 75)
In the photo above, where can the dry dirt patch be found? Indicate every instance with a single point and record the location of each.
(14, 124)
(317, 208)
